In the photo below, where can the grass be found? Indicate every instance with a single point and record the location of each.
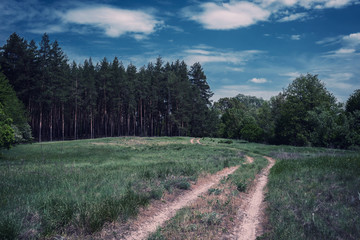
(48, 188)
(64, 187)
(315, 198)
(244, 176)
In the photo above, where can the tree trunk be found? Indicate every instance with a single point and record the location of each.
(128, 124)
(134, 123)
(141, 118)
(75, 122)
(91, 124)
(40, 122)
(51, 124)
(111, 126)
(75, 115)
(63, 121)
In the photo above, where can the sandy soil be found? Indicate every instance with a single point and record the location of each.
(251, 213)
(197, 140)
(249, 159)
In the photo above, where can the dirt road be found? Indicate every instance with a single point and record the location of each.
(250, 213)
(197, 140)
(249, 216)
(152, 218)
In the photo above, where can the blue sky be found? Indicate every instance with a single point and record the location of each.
(251, 47)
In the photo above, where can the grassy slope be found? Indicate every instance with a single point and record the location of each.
(45, 188)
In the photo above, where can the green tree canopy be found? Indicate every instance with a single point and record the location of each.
(353, 103)
(12, 114)
(6, 132)
(303, 95)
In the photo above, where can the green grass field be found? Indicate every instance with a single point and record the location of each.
(48, 188)
(76, 186)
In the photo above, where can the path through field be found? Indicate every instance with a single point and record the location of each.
(197, 140)
(148, 221)
(251, 212)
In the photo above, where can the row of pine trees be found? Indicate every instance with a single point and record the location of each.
(87, 100)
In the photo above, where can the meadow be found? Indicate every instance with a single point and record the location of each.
(71, 187)
(54, 187)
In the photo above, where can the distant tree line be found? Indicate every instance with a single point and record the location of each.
(61, 101)
(71, 101)
(303, 114)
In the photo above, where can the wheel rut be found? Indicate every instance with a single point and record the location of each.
(147, 223)
(251, 213)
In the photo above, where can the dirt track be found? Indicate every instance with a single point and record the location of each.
(249, 215)
(197, 140)
(148, 223)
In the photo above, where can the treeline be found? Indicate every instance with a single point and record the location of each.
(303, 114)
(71, 101)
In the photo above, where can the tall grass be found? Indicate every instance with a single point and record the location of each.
(315, 198)
(56, 187)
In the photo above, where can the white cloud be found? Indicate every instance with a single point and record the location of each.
(336, 3)
(291, 75)
(344, 51)
(258, 80)
(308, 4)
(235, 69)
(330, 40)
(352, 39)
(210, 55)
(237, 14)
(233, 90)
(349, 45)
(198, 51)
(339, 81)
(41, 29)
(230, 15)
(293, 17)
(115, 22)
(295, 37)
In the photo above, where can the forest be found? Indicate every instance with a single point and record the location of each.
(45, 98)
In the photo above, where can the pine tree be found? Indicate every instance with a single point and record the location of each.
(201, 94)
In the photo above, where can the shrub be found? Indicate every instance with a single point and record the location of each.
(228, 141)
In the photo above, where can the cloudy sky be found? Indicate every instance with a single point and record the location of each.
(251, 47)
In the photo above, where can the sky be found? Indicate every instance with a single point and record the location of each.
(255, 48)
